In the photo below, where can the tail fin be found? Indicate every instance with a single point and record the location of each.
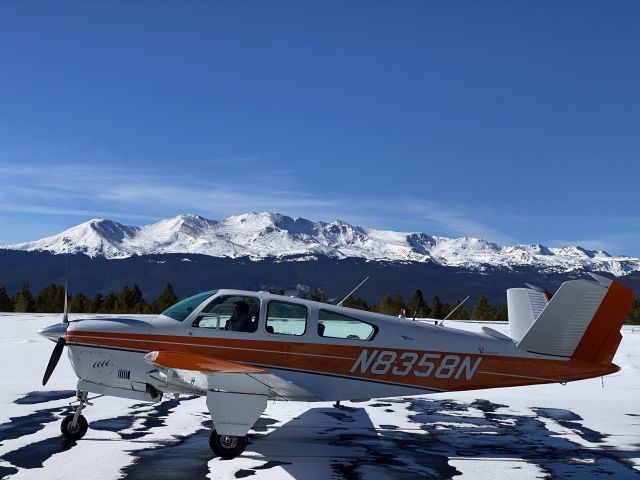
(581, 321)
(524, 306)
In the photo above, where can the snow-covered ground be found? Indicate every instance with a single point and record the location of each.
(587, 429)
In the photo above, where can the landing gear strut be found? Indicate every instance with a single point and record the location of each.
(74, 426)
(227, 446)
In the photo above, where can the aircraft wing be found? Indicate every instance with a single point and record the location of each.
(200, 374)
(187, 361)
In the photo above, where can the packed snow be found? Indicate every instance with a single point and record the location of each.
(587, 429)
(264, 235)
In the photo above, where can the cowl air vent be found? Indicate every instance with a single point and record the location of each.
(124, 374)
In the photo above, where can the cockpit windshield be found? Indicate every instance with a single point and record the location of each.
(183, 309)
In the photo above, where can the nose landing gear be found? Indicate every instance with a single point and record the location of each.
(227, 446)
(74, 426)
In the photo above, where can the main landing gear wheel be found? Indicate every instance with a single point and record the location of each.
(74, 431)
(227, 446)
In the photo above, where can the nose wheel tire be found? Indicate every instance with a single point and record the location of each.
(227, 446)
(71, 431)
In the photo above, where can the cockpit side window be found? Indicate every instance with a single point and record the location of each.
(284, 318)
(236, 313)
(336, 325)
(183, 309)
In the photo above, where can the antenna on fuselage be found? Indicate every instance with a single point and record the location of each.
(452, 311)
(352, 291)
(65, 316)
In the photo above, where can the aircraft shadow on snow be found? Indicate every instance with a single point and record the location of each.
(346, 440)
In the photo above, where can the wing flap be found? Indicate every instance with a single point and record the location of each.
(199, 363)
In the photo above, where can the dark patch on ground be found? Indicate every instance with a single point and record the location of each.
(6, 472)
(26, 425)
(115, 424)
(263, 424)
(571, 421)
(389, 427)
(244, 473)
(271, 464)
(341, 417)
(152, 418)
(32, 398)
(346, 470)
(190, 455)
(35, 454)
(327, 431)
(398, 455)
(519, 437)
(380, 405)
(483, 405)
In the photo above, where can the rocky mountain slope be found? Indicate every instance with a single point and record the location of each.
(260, 236)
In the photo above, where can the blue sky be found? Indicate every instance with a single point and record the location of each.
(511, 121)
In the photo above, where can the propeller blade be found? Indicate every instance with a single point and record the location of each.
(53, 361)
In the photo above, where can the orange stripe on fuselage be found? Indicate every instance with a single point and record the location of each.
(493, 371)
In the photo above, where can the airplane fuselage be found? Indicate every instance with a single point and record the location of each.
(404, 357)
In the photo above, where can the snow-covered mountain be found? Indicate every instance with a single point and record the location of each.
(267, 235)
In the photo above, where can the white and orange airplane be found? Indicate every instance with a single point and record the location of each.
(242, 348)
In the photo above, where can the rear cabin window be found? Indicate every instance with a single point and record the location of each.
(236, 313)
(336, 325)
(285, 318)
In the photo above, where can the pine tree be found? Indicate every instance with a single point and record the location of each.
(109, 303)
(502, 313)
(96, 303)
(316, 295)
(23, 301)
(137, 303)
(167, 298)
(6, 305)
(460, 314)
(391, 304)
(356, 302)
(50, 299)
(417, 306)
(437, 308)
(483, 310)
(634, 314)
(80, 304)
(122, 300)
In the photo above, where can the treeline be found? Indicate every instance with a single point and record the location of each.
(51, 300)
(418, 307)
(131, 300)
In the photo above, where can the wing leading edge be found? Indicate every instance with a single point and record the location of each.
(200, 374)
(198, 363)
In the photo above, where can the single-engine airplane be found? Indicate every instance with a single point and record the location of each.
(241, 348)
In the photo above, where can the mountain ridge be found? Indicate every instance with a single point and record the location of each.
(259, 236)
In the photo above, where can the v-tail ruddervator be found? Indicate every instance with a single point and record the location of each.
(240, 349)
